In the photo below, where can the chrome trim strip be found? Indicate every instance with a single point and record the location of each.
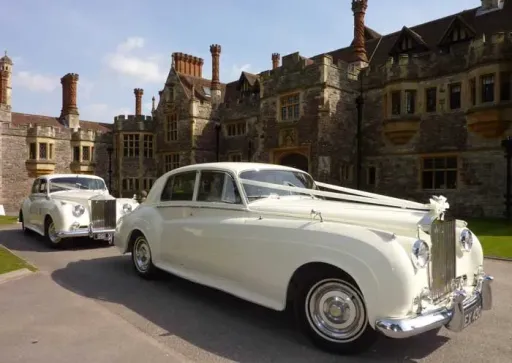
(85, 232)
(452, 318)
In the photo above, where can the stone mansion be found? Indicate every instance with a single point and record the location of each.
(436, 103)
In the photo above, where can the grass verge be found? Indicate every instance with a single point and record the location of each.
(8, 220)
(10, 262)
(495, 236)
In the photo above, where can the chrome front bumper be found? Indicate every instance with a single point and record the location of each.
(463, 311)
(89, 232)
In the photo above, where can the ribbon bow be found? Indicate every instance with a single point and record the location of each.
(439, 204)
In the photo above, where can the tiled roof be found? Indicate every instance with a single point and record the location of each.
(199, 84)
(432, 32)
(21, 119)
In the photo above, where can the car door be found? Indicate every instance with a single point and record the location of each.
(37, 206)
(216, 248)
(174, 212)
(31, 208)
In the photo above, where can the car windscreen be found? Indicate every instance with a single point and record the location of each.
(280, 177)
(76, 183)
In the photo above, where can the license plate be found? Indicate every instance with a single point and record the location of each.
(473, 314)
(103, 236)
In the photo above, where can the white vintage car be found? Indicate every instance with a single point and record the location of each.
(62, 206)
(350, 264)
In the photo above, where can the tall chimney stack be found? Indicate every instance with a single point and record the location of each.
(188, 64)
(215, 51)
(138, 101)
(215, 85)
(359, 8)
(276, 57)
(69, 113)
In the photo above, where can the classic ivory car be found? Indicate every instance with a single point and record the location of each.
(350, 267)
(63, 206)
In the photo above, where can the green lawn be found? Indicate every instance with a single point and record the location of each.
(495, 235)
(10, 262)
(8, 220)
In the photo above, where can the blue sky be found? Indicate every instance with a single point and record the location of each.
(118, 45)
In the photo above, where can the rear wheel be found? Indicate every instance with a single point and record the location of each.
(142, 258)
(331, 311)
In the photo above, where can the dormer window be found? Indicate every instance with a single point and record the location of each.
(458, 31)
(408, 41)
(406, 44)
(207, 91)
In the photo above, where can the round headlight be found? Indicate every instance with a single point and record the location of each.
(78, 210)
(420, 254)
(127, 208)
(466, 240)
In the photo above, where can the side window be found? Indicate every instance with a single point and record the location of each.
(35, 186)
(179, 187)
(42, 186)
(217, 186)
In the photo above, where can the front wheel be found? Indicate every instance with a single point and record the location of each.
(142, 258)
(20, 218)
(332, 313)
(51, 237)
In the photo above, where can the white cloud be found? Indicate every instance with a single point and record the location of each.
(130, 44)
(236, 71)
(35, 82)
(144, 68)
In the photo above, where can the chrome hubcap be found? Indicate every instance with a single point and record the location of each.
(142, 254)
(52, 233)
(336, 310)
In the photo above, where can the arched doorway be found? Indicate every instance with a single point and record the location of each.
(295, 160)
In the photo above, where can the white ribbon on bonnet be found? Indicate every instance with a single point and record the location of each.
(439, 205)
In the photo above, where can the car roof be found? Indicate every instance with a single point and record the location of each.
(236, 167)
(53, 176)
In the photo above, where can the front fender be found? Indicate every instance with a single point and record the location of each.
(62, 215)
(374, 259)
(138, 220)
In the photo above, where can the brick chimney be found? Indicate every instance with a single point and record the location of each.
(188, 64)
(69, 113)
(276, 57)
(215, 51)
(359, 8)
(138, 101)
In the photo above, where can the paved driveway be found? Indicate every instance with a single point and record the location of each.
(182, 320)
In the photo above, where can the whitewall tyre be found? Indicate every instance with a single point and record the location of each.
(331, 311)
(50, 234)
(142, 258)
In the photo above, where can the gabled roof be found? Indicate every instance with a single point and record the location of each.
(432, 31)
(251, 79)
(200, 85)
(24, 119)
(457, 21)
(411, 34)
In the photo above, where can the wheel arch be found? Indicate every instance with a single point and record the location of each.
(354, 271)
(310, 267)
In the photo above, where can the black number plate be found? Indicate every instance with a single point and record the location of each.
(473, 314)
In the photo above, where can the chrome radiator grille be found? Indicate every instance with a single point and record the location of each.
(443, 257)
(103, 213)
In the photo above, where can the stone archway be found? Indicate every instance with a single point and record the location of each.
(295, 160)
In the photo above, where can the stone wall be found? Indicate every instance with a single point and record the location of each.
(18, 179)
